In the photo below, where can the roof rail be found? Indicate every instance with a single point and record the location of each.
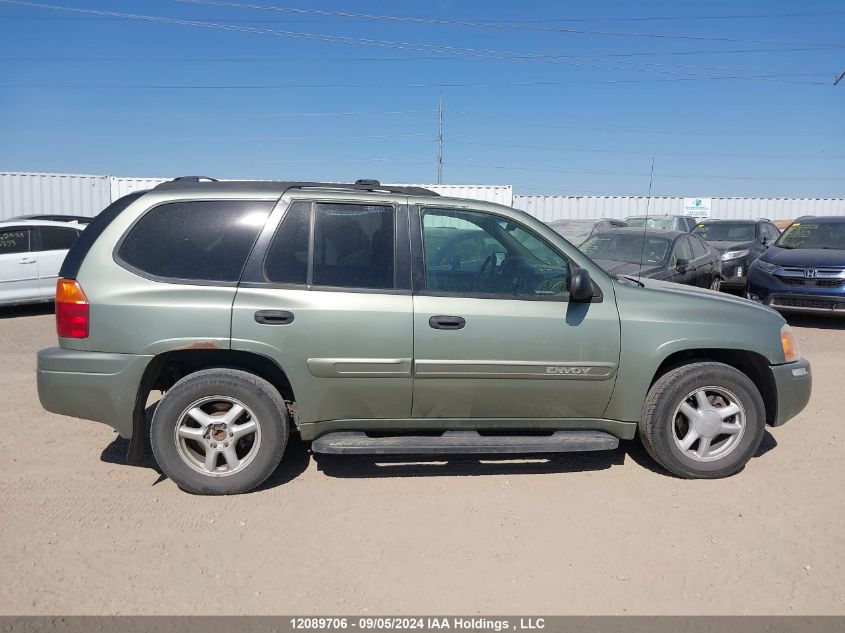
(194, 179)
(281, 187)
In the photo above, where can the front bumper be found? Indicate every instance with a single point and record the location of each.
(734, 272)
(771, 291)
(794, 383)
(91, 385)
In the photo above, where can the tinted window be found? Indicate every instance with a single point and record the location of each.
(469, 252)
(205, 240)
(287, 258)
(73, 260)
(682, 251)
(353, 246)
(726, 231)
(14, 240)
(698, 247)
(55, 238)
(628, 247)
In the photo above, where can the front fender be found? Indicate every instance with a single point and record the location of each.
(663, 319)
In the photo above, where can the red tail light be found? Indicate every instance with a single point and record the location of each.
(71, 309)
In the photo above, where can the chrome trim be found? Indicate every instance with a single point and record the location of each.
(547, 370)
(360, 367)
(814, 273)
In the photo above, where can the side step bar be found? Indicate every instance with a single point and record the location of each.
(462, 443)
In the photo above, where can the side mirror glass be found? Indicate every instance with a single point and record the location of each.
(581, 287)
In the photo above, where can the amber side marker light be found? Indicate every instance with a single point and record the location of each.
(790, 344)
(72, 316)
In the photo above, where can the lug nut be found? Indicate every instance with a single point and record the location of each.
(226, 445)
(231, 434)
(214, 445)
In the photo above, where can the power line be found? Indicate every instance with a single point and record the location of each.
(641, 153)
(515, 84)
(578, 170)
(430, 48)
(475, 24)
(641, 129)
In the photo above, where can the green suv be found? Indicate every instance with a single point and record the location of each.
(390, 320)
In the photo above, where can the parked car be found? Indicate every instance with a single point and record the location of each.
(740, 242)
(804, 271)
(79, 219)
(683, 223)
(31, 253)
(265, 308)
(656, 254)
(576, 231)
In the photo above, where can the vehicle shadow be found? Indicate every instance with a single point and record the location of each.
(27, 310)
(816, 321)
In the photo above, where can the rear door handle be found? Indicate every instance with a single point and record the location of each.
(447, 322)
(274, 317)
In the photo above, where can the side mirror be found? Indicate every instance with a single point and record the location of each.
(681, 263)
(765, 242)
(581, 287)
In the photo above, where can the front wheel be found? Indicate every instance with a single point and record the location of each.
(703, 420)
(219, 432)
(716, 284)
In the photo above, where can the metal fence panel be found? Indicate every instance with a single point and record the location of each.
(66, 194)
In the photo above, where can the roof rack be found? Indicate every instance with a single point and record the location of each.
(194, 179)
(284, 186)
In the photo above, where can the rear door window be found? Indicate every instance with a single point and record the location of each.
(207, 240)
(14, 240)
(56, 238)
(353, 246)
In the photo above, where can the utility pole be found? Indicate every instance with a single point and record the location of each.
(440, 142)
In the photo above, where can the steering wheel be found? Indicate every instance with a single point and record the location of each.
(485, 277)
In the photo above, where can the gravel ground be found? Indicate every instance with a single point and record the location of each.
(604, 533)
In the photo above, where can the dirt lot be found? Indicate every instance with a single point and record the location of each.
(83, 533)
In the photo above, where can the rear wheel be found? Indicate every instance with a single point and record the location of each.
(703, 420)
(219, 431)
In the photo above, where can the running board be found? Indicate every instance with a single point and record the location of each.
(462, 443)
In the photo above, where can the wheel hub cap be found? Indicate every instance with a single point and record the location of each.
(708, 424)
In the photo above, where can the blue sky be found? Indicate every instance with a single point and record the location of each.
(732, 98)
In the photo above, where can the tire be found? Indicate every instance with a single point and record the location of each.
(716, 284)
(674, 414)
(218, 449)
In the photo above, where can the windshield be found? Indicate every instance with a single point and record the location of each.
(575, 231)
(726, 231)
(663, 224)
(813, 235)
(627, 248)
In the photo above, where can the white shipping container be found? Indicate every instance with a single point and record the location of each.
(66, 194)
(548, 208)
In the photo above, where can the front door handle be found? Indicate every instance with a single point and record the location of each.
(274, 317)
(447, 322)
(28, 260)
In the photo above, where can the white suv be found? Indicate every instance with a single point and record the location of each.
(31, 253)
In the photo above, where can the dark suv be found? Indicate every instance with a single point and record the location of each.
(805, 269)
(740, 242)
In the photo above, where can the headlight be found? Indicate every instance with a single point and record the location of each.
(789, 344)
(734, 254)
(766, 267)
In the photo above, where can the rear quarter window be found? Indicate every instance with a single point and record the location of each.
(56, 238)
(206, 241)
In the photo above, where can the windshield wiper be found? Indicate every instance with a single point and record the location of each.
(634, 279)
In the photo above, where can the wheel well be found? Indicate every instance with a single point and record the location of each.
(166, 369)
(753, 365)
